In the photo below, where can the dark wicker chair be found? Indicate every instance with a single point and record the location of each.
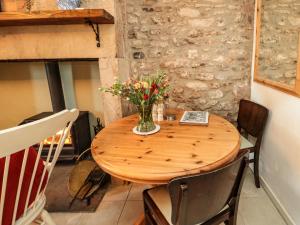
(208, 198)
(251, 120)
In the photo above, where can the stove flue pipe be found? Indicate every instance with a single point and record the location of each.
(55, 86)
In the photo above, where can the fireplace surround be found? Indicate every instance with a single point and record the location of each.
(75, 42)
(79, 138)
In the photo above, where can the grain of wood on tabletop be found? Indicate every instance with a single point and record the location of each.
(175, 150)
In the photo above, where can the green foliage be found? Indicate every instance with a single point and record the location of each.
(144, 91)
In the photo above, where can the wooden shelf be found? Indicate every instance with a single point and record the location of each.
(56, 17)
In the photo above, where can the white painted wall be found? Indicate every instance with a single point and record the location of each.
(86, 84)
(24, 90)
(280, 152)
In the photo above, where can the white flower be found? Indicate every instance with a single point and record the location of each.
(137, 85)
(145, 84)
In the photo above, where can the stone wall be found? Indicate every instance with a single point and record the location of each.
(204, 46)
(280, 27)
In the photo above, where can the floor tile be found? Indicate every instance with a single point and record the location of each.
(240, 219)
(66, 218)
(255, 206)
(131, 212)
(259, 211)
(249, 189)
(117, 193)
(122, 205)
(136, 191)
(108, 213)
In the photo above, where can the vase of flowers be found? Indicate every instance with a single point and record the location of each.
(143, 93)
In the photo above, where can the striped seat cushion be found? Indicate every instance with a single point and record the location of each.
(13, 180)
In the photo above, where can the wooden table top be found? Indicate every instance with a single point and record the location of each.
(175, 150)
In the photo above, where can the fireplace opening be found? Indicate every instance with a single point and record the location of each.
(69, 84)
(77, 142)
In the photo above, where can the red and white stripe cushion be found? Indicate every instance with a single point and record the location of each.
(13, 180)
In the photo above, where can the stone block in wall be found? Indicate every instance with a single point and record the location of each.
(205, 48)
(44, 5)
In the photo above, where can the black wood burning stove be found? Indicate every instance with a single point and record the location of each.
(79, 140)
(80, 136)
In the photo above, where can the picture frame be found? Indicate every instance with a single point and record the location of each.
(292, 90)
(195, 118)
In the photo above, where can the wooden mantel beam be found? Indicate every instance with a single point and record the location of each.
(56, 17)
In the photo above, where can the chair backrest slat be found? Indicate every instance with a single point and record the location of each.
(4, 184)
(15, 140)
(20, 185)
(60, 144)
(197, 198)
(252, 118)
(34, 175)
(46, 164)
(34, 132)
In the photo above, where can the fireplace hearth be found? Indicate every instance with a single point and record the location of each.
(79, 138)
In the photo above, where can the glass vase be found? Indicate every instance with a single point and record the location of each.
(145, 123)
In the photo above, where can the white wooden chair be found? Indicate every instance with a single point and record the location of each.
(21, 138)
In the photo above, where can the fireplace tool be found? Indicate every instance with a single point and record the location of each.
(86, 178)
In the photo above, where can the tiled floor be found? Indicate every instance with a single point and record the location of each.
(122, 205)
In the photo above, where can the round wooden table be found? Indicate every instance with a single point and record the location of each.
(176, 150)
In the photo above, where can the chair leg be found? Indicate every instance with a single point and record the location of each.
(228, 222)
(47, 218)
(256, 169)
(232, 219)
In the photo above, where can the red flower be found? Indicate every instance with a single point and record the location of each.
(146, 97)
(156, 91)
(154, 86)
